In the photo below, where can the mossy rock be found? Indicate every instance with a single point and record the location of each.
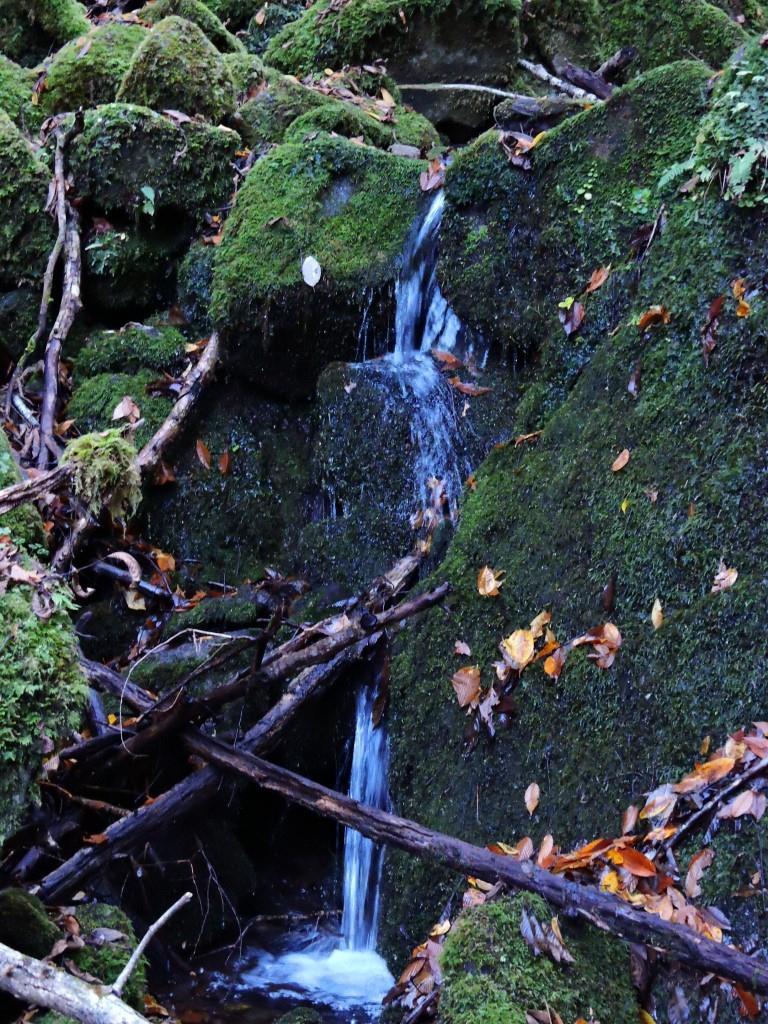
(491, 976)
(126, 150)
(514, 243)
(129, 271)
(350, 208)
(236, 14)
(476, 41)
(19, 310)
(107, 960)
(26, 233)
(279, 99)
(352, 122)
(88, 71)
(561, 525)
(194, 282)
(30, 28)
(247, 71)
(262, 28)
(24, 924)
(136, 345)
(16, 84)
(230, 526)
(199, 13)
(43, 689)
(94, 401)
(178, 68)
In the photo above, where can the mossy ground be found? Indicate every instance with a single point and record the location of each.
(177, 67)
(492, 977)
(561, 524)
(88, 70)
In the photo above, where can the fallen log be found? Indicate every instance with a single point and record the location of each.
(540, 72)
(584, 901)
(43, 984)
(196, 790)
(616, 63)
(589, 81)
(34, 488)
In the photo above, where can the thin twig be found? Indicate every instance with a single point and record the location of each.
(129, 968)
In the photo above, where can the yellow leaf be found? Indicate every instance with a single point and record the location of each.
(489, 580)
(517, 648)
(657, 615)
(466, 683)
(645, 1017)
(743, 308)
(442, 928)
(532, 797)
(537, 625)
(112, 719)
(624, 506)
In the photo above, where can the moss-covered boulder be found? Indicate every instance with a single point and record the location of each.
(231, 521)
(263, 26)
(562, 525)
(490, 974)
(235, 14)
(158, 347)
(30, 28)
(16, 84)
(513, 241)
(24, 924)
(106, 959)
(43, 689)
(348, 207)
(193, 284)
(178, 68)
(133, 161)
(94, 400)
(421, 40)
(26, 233)
(88, 71)
(199, 13)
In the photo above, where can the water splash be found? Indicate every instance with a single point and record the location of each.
(362, 857)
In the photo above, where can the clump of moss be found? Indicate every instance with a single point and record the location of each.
(247, 71)
(235, 14)
(29, 28)
(87, 72)
(105, 472)
(129, 349)
(24, 924)
(492, 977)
(16, 85)
(178, 68)
(198, 13)
(26, 233)
(732, 143)
(19, 309)
(94, 401)
(279, 100)
(408, 128)
(125, 150)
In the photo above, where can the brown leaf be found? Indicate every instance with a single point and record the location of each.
(517, 649)
(532, 795)
(598, 278)
(203, 453)
(434, 177)
(126, 408)
(261, 15)
(620, 461)
(636, 863)
(163, 475)
(467, 388)
(654, 316)
(466, 683)
(657, 614)
(750, 1007)
(225, 463)
(489, 580)
(572, 318)
(528, 438)
(629, 819)
(724, 578)
(698, 865)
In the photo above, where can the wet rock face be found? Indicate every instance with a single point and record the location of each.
(350, 208)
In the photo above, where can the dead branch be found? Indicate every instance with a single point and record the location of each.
(615, 64)
(43, 984)
(585, 901)
(34, 488)
(589, 81)
(199, 378)
(127, 971)
(540, 72)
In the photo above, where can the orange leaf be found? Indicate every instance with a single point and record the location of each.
(97, 839)
(654, 316)
(698, 865)
(620, 461)
(466, 683)
(203, 453)
(598, 278)
(225, 463)
(634, 861)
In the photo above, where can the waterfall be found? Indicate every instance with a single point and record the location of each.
(362, 858)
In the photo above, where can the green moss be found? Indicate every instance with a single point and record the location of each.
(348, 206)
(106, 961)
(363, 30)
(492, 977)
(19, 310)
(246, 69)
(301, 1015)
(125, 149)
(16, 85)
(127, 350)
(26, 233)
(198, 13)
(29, 28)
(94, 401)
(105, 472)
(178, 68)
(591, 186)
(279, 100)
(409, 128)
(87, 72)
(24, 924)
(237, 13)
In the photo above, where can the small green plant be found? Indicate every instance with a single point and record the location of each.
(105, 472)
(148, 203)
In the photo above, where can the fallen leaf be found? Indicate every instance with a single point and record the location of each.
(532, 795)
(203, 453)
(657, 615)
(447, 359)
(620, 461)
(261, 15)
(467, 388)
(739, 287)
(350, 387)
(164, 561)
(462, 648)
(528, 438)
(466, 683)
(572, 317)
(225, 463)
(698, 865)
(545, 851)
(633, 861)
(750, 1007)
(311, 271)
(629, 819)
(539, 622)
(724, 578)
(134, 600)
(489, 580)
(654, 316)
(517, 649)
(126, 408)
(598, 278)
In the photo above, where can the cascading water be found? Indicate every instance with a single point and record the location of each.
(362, 858)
